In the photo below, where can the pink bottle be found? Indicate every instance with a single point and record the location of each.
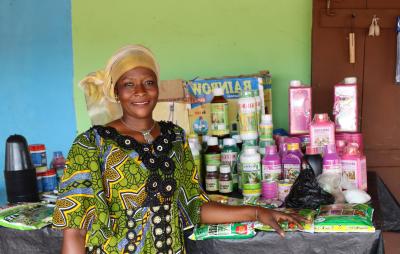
(299, 107)
(345, 108)
(322, 131)
(271, 164)
(354, 167)
(291, 161)
(331, 162)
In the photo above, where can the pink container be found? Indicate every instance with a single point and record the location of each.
(322, 131)
(331, 161)
(345, 106)
(351, 138)
(269, 189)
(300, 108)
(354, 167)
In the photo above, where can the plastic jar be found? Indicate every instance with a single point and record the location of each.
(49, 180)
(38, 155)
(251, 196)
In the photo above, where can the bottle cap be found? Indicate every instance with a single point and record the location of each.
(271, 150)
(218, 91)
(250, 149)
(211, 168)
(321, 117)
(212, 141)
(312, 150)
(292, 146)
(295, 83)
(36, 147)
(266, 119)
(350, 80)
(229, 142)
(237, 139)
(224, 169)
(57, 154)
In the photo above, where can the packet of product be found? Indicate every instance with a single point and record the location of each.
(241, 230)
(344, 218)
(308, 226)
(27, 216)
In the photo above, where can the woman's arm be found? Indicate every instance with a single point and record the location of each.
(215, 213)
(74, 241)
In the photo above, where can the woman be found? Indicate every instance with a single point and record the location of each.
(131, 186)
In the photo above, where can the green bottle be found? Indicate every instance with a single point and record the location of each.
(229, 155)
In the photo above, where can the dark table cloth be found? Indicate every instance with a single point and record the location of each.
(386, 218)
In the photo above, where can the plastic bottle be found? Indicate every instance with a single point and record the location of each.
(194, 139)
(225, 179)
(212, 155)
(291, 161)
(265, 131)
(331, 162)
(247, 116)
(229, 155)
(322, 131)
(271, 164)
(354, 167)
(238, 141)
(219, 113)
(251, 169)
(58, 163)
(211, 179)
(314, 159)
(299, 107)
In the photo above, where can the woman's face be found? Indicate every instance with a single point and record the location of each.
(137, 91)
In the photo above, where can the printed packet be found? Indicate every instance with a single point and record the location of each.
(224, 231)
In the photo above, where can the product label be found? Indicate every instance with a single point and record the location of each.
(251, 176)
(219, 119)
(321, 136)
(229, 158)
(265, 133)
(213, 159)
(283, 191)
(211, 184)
(272, 171)
(333, 169)
(225, 186)
(291, 171)
(349, 168)
(247, 118)
(345, 108)
(300, 110)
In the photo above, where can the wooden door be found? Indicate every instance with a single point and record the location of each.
(379, 96)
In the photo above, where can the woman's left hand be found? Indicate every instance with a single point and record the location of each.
(272, 218)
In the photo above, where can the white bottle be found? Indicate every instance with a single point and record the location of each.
(251, 168)
(265, 131)
(247, 107)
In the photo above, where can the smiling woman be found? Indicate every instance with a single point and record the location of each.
(137, 188)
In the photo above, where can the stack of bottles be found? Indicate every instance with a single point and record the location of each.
(47, 177)
(257, 164)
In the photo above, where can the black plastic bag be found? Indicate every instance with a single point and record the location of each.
(306, 193)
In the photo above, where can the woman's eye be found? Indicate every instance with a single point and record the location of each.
(129, 85)
(149, 83)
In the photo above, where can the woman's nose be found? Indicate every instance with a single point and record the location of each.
(139, 90)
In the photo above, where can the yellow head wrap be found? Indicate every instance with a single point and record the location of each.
(99, 86)
(123, 60)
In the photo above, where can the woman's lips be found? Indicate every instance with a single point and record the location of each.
(141, 103)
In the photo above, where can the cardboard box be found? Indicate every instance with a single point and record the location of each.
(200, 94)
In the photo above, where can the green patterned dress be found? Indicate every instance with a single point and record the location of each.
(130, 197)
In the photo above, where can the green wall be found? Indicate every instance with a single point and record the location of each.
(198, 38)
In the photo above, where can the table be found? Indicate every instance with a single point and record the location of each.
(386, 218)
